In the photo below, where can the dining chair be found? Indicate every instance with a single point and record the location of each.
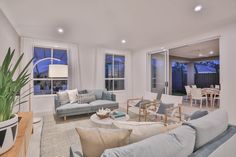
(188, 90)
(193, 86)
(217, 86)
(197, 94)
(216, 98)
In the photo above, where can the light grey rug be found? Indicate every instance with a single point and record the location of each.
(58, 135)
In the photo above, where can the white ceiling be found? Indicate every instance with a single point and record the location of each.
(192, 51)
(143, 23)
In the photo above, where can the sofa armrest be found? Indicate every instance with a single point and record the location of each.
(113, 97)
(75, 151)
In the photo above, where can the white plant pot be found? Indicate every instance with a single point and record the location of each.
(8, 133)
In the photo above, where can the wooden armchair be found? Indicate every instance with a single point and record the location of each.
(170, 112)
(143, 104)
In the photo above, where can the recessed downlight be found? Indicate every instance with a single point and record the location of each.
(60, 30)
(123, 41)
(211, 52)
(198, 8)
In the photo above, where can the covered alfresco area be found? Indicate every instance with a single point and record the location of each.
(196, 74)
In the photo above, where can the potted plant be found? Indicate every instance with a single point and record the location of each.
(9, 88)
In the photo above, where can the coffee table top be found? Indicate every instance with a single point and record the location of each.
(107, 121)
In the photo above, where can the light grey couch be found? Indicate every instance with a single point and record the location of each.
(71, 109)
(196, 138)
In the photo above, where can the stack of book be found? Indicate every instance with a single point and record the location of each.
(117, 114)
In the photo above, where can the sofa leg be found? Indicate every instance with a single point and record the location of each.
(65, 118)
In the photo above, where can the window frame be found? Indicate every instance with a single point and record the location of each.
(51, 62)
(113, 67)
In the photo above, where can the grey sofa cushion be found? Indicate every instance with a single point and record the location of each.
(86, 98)
(178, 143)
(163, 107)
(74, 108)
(214, 144)
(98, 93)
(63, 97)
(198, 114)
(107, 96)
(98, 104)
(209, 126)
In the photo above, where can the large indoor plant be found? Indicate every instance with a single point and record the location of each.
(9, 88)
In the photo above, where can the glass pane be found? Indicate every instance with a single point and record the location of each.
(42, 87)
(41, 66)
(119, 66)
(157, 72)
(119, 84)
(59, 85)
(108, 66)
(61, 55)
(109, 85)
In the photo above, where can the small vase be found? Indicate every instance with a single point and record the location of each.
(8, 133)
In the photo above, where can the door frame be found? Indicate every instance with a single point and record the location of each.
(166, 52)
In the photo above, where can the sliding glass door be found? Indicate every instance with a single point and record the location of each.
(160, 72)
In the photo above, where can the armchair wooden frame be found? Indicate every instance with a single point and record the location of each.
(142, 108)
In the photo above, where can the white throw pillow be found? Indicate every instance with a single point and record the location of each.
(73, 95)
(209, 126)
(142, 130)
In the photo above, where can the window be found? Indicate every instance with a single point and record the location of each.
(43, 57)
(114, 72)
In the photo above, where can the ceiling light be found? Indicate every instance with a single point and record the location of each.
(198, 8)
(200, 55)
(123, 41)
(211, 52)
(60, 30)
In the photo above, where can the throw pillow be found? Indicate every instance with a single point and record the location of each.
(86, 98)
(162, 108)
(141, 103)
(198, 114)
(63, 97)
(106, 96)
(143, 130)
(73, 95)
(82, 91)
(95, 140)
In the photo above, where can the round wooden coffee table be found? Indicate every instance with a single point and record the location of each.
(107, 121)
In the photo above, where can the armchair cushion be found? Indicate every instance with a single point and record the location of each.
(163, 107)
(141, 103)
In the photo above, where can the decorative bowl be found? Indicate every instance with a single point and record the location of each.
(102, 114)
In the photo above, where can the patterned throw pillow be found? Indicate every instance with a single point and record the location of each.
(86, 98)
(63, 97)
(82, 91)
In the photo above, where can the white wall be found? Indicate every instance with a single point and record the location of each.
(89, 75)
(92, 68)
(8, 37)
(227, 66)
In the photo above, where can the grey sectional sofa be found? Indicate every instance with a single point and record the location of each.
(71, 109)
(196, 138)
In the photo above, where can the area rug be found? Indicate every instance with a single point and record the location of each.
(58, 135)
